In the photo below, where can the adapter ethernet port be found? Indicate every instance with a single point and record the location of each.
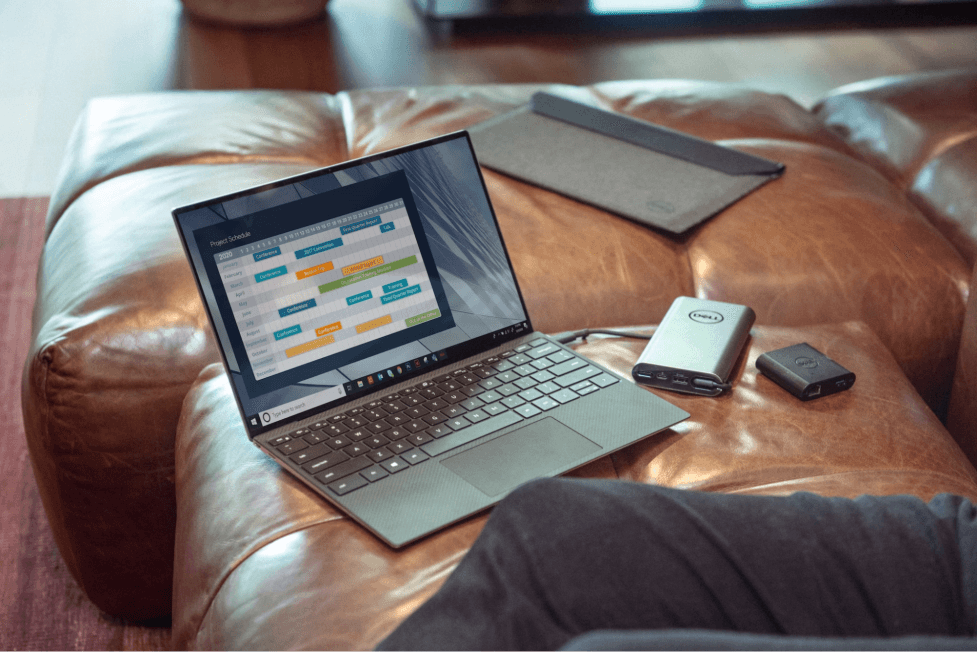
(812, 391)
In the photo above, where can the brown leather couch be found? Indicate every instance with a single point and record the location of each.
(864, 248)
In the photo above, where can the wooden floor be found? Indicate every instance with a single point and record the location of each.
(56, 54)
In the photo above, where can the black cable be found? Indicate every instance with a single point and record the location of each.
(569, 336)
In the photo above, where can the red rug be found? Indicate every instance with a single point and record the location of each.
(41, 607)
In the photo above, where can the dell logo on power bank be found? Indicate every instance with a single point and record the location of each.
(705, 316)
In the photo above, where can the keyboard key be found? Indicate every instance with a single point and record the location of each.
(477, 415)
(508, 376)
(525, 383)
(338, 442)
(336, 429)
(417, 425)
(355, 422)
(394, 465)
(396, 433)
(604, 380)
(472, 403)
(494, 408)
(450, 386)
(539, 341)
(415, 456)
(359, 434)
(567, 367)
(374, 414)
(278, 441)
(528, 410)
(440, 430)
(419, 438)
(507, 390)
(393, 407)
(436, 404)
(454, 397)
(343, 487)
(453, 411)
(559, 356)
(358, 448)
(458, 423)
(399, 447)
(512, 401)
(581, 385)
(315, 437)
(434, 418)
(323, 463)
(505, 365)
(472, 390)
(547, 388)
(522, 347)
(490, 383)
(377, 442)
(397, 419)
(575, 377)
(310, 453)
(293, 446)
(525, 370)
(375, 473)
(379, 455)
(378, 426)
(472, 433)
(589, 389)
(545, 403)
(416, 412)
(542, 376)
(342, 470)
(484, 372)
(543, 351)
(490, 396)
(530, 394)
(564, 395)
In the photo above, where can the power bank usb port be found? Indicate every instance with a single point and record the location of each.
(680, 379)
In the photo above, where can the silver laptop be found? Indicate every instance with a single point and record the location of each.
(379, 348)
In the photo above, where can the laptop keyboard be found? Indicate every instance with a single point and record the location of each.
(405, 428)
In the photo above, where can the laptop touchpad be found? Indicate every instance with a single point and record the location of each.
(505, 462)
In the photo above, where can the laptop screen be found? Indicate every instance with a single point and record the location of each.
(331, 285)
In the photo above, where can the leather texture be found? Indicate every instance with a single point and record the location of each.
(921, 132)
(119, 335)
(261, 563)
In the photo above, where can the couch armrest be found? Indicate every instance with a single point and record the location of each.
(962, 413)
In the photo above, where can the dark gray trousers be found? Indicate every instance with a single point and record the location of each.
(563, 557)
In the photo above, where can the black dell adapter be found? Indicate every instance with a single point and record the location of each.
(805, 372)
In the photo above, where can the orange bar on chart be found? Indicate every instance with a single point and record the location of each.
(312, 271)
(374, 323)
(360, 266)
(331, 328)
(309, 346)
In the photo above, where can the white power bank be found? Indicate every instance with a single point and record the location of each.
(695, 347)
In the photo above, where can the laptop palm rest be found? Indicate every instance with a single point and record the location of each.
(540, 449)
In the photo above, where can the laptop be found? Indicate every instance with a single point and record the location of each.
(379, 348)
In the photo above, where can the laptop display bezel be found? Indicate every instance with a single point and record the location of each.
(471, 347)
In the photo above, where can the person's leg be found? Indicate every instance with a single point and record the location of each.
(562, 557)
